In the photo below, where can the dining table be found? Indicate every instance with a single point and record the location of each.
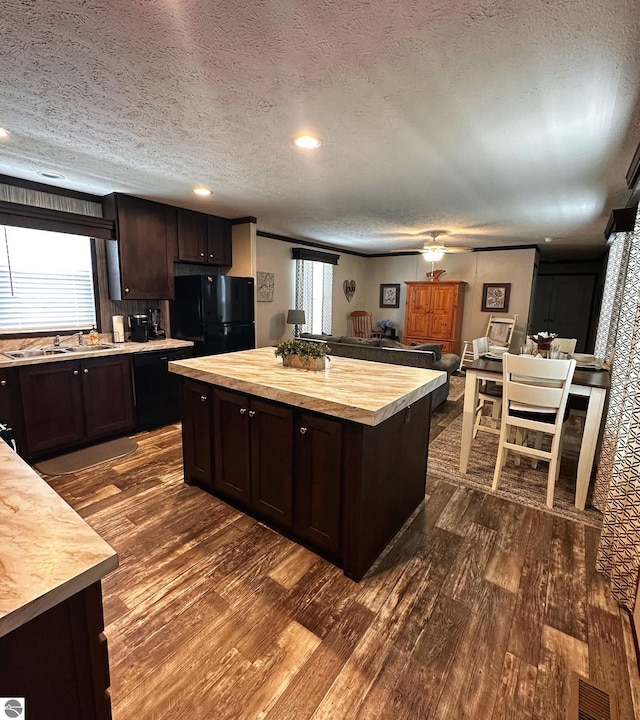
(589, 383)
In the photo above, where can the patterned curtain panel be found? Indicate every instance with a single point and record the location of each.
(314, 291)
(617, 490)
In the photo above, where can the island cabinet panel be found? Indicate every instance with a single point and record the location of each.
(197, 432)
(253, 451)
(52, 405)
(232, 445)
(59, 662)
(271, 460)
(69, 403)
(385, 471)
(318, 481)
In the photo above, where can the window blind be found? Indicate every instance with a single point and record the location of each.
(46, 281)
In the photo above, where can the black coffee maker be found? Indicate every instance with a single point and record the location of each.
(139, 328)
(155, 331)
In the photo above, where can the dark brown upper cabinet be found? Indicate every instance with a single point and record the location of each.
(203, 238)
(140, 260)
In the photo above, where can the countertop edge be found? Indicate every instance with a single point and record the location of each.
(22, 615)
(301, 400)
(127, 348)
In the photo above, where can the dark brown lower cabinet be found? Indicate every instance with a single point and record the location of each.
(197, 435)
(70, 402)
(58, 661)
(343, 488)
(318, 473)
(254, 450)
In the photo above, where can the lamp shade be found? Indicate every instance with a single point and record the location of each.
(295, 317)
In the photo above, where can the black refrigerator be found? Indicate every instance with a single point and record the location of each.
(216, 312)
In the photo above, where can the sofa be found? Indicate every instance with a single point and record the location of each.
(428, 356)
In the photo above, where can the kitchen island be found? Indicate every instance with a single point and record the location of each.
(52, 650)
(336, 459)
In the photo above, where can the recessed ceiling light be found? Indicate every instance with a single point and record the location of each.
(308, 142)
(4, 133)
(49, 174)
(201, 190)
(548, 239)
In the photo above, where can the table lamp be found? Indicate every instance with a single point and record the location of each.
(296, 318)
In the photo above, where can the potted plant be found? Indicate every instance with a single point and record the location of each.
(386, 326)
(302, 354)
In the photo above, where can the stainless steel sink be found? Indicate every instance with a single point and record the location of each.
(90, 348)
(36, 352)
(56, 350)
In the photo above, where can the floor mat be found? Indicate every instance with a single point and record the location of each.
(87, 457)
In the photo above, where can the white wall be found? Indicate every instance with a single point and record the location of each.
(509, 266)
(512, 266)
(275, 256)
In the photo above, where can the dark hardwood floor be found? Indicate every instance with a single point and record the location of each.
(480, 609)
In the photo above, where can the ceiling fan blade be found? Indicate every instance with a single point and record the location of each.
(458, 250)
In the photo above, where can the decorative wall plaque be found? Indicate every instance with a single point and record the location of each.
(265, 281)
(349, 287)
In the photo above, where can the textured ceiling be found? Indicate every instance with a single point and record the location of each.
(501, 121)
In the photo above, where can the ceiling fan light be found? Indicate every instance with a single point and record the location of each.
(433, 254)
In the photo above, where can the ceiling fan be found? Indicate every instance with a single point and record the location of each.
(434, 251)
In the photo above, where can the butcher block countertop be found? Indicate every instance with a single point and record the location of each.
(47, 551)
(358, 390)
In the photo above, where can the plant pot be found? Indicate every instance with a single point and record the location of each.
(303, 362)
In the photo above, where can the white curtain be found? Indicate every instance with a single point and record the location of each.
(314, 286)
(617, 490)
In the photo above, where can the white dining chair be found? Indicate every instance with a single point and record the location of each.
(534, 398)
(489, 392)
(566, 345)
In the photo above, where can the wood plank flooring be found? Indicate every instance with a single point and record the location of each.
(480, 609)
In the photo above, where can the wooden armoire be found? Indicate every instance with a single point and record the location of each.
(433, 313)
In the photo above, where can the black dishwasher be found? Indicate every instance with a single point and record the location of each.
(157, 390)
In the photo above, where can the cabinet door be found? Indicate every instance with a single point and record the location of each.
(442, 308)
(417, 311)
(272, 460)
(146, 251)
(52, 405)
(318, 471)
(197, 432)
(232, 445)
(192, 236)
(219, 241)
(108, 395)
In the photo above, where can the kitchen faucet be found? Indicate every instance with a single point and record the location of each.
(56, 339)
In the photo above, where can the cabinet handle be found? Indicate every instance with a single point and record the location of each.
(126, 290)
(201, 254)
(252, 413)
(303, 431)
(243, 411)
(3, 382)
(75, 372)
(85, 371)
(203, 398)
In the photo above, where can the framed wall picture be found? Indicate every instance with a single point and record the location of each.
(495, 297)
(265, 283)
(390, 296)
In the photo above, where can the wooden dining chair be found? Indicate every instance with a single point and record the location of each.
(361, 322)
(534, 398)
(488, 392)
